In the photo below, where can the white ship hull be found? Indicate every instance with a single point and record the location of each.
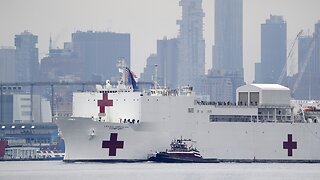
(226, 141)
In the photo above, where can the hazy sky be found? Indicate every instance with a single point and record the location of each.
(146, 21)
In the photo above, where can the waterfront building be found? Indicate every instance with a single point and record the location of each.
(28, 140)
(22, 107)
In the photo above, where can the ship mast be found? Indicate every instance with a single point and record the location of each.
(155, 77)
(121, 65)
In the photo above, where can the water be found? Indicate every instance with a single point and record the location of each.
(57, 170)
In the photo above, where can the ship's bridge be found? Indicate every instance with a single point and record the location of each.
(263, 95)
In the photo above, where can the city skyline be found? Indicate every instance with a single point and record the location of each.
(147, 23)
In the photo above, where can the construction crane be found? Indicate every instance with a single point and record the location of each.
(289, 57)
(305, 62)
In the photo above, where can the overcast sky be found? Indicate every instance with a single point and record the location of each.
(146, 21)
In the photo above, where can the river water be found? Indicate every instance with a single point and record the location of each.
(58, 170)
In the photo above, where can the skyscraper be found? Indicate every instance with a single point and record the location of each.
(167, 52)
(191, 45)
(61, 65)
(317, 47)
(167, 61)
(218, 86)
(227, 50)
(227, 70)
(27, 63)
(7, 64)
(100, 52)
(273, 49)
(148, 71)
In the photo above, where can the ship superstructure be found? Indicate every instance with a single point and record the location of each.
(119, 123)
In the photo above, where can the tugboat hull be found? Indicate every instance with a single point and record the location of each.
(181, 158)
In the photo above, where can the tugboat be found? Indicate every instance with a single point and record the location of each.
(181, 153)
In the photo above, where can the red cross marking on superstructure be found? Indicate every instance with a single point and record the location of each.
(104, 102)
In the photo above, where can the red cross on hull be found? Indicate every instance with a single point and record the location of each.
(290, 145)
(113, 144)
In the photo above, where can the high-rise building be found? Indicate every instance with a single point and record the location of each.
(257, 72)
(273, 49)
(166, 60)
(167, 53)
(317, 47)
(218, 86)
(148, 71)
(191, 45)
(100, 52)
(27, 63)
(61, 65)
(7, 65)
(227, 50)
